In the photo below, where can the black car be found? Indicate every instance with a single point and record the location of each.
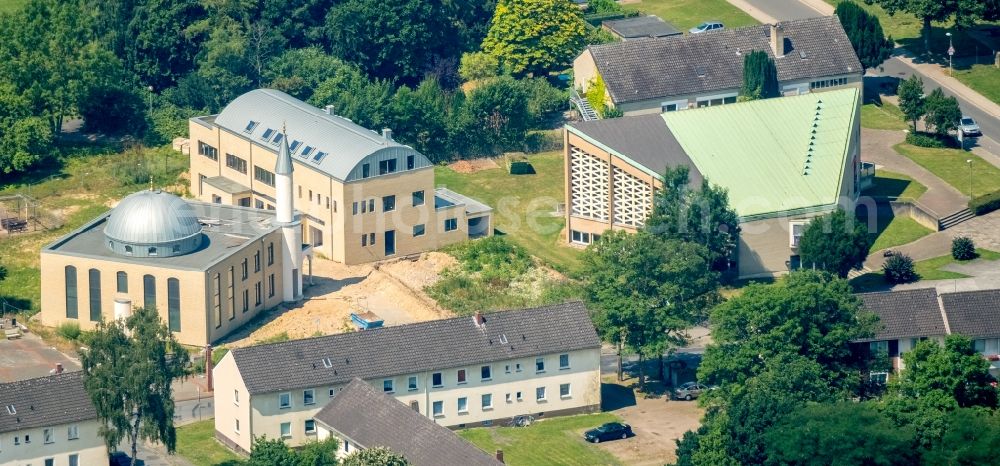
(609, 431)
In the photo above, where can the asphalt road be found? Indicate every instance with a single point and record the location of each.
(784, 9)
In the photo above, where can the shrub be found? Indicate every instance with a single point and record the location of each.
(985, 204)
(612, 112)
(963, 249)
(545, 102)
(899, 269)
(69, 330)
(478, 65)
(934, 141)
(543, 141)
(596, 92)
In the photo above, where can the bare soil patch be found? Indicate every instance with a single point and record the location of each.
(472, 166)
(657, 423)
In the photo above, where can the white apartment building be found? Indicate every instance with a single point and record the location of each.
(460, 372)
(49, 421)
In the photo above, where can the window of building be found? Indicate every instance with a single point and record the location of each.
(437, 408)
(73, 432)
(310, 426)
(208, 151)
(436, 379)
(418, 198)
(27, 438)
(411, 383)
(461, 376)
(371, 205)
(386, 167)
(388, 203)
(310, 195)
(236, 427)
(244, 269)
(540, 394)
(333, 391)
(256, 261)
(878, 378)
(71, 297)
(122, 282)
(463, 404)
(94, 277)
(410, 162)
(236, 397)
(236, 163)
(47, 436)
(418, 230)
(451, 224)
(294, 146)
(17, 440)
(387, 386)
(74, 459)
(217, 299)
(306, 151)
(487, 401)
(270, 254)
(564, 390)
(286, 429)
(152, 251)
(49, 462)
(174, 304)
(300, 191)
(263, 176)
(517, 367)
(518, 396)
(268, 133)
(539, 364)
(148, 292)
(364, 240)
(258, 293)
(257, 203)
(231, 292)
(371, 239)
(564, 361)
(284, 400)
(246, 300)
(486, 372)
(308, 396)
(366, 170)
(506, 369)
(270, 286)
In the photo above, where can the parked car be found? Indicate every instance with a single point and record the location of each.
(968, 127)
(706, 26)
(609, 431)
(689, 391)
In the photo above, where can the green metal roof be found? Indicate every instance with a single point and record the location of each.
(773, 155)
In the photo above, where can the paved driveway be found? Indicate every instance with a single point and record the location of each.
(29, 357)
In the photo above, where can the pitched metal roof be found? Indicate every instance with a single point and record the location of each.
(45, 402)
(973, 313)
(773, 155)
(643, 139)
(419, 347)
(657, 68)
(371, 418)
(905, 314)
(641, 26)
(260, 114)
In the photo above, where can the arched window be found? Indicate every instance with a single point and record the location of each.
(177, 248)
(174, 304)
(152, 251)
(148, 292)
(128, 250)
(122, 282)
(71, 303)
(94, 276)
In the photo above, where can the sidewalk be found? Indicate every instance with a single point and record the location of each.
(938, 74)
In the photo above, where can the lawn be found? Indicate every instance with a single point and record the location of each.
(898, 231)
(557, 441)
(686, 14)
(196, 443)
(984, 79)
(927, 269)
(896, 185)
(885, 116)
(523, 206)
(950, 165)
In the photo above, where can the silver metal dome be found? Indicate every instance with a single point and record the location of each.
(153, 224)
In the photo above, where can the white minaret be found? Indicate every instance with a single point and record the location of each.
(291, 226)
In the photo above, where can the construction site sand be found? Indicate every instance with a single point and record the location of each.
(392, 290)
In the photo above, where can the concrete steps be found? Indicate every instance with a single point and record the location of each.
(955, 218)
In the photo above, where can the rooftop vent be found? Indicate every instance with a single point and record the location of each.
(802, 54)
(700, 71)
(328, 109)
(387, 133)
(479, 320)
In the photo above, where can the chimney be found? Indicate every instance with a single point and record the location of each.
(208, 369)
(328, 109)
(387, 133)
(59, 368)
(478, 319)
(777, 40)
(500, 456)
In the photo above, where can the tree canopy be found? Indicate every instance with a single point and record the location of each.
(911, 99)
(835, 242)
(964, 12)
(942, 112)
(865, 33)
(760, 77)
(376, 456)
(535, 36)
(275, 452)
(128, 368)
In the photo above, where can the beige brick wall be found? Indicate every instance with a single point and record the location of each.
(89, 447)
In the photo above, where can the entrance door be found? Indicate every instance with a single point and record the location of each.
(390, 242)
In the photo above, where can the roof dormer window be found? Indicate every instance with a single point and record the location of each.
(251, 126)
(267, 134)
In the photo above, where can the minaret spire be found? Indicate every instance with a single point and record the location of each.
(291, 226)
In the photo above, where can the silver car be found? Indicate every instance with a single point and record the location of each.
(968, 127)
(689, 391)
(706, 26)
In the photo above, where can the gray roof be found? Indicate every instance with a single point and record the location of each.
(641, 26)
(644, 138)
(701, 63)
(344, 142)
(973, 313)
(905, 314)
(45, 402)
(371, 418)
(420, 347)
(152, 217)
(227, 185)
(444, 197)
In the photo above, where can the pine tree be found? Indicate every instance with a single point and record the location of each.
(760, 77)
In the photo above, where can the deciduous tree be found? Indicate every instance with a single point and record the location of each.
(129, 367)
(376, 456)
(25, 140)
(865, 33)
(535, 36)
(943, 112)
(972, 437)
(964, 12)
(911, 99)
(835, 242)
(161, 50)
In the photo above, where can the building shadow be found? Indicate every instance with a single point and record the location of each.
(615, 396)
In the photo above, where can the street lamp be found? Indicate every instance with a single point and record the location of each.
(969, 163)
(150, 100)
(951, 52)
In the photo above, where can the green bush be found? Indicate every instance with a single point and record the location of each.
(963, 248)
(985, 204)
(899, 269)
(543, 141)
(69, 330)
(612, 112)
(934, 141)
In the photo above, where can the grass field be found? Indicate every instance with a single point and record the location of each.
(890, 184)
(884, 116)
(686, 14)
(522, 205)
(196, 443)
(552, 442)
(897, 231)
(950, 165)
(984, 79)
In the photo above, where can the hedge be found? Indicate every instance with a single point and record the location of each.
(985, 204)
(931, 140)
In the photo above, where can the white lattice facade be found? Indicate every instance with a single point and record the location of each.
(632, 199)
(588, 182)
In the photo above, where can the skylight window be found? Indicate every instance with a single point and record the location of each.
(277, 138)
(319, 157)
(308, 150)
(267, 134)
(11, 410)
(295, 145)
(327, 363)
(250, 126)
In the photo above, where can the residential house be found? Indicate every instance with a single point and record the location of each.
(640, 27)
(361, 195)
(782, 161)
(905, 318)
(700, 70)
(49, 421)
(464, 371)
(362, 417)
(974, 314)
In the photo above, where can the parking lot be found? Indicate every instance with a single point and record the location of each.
(29, 357)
